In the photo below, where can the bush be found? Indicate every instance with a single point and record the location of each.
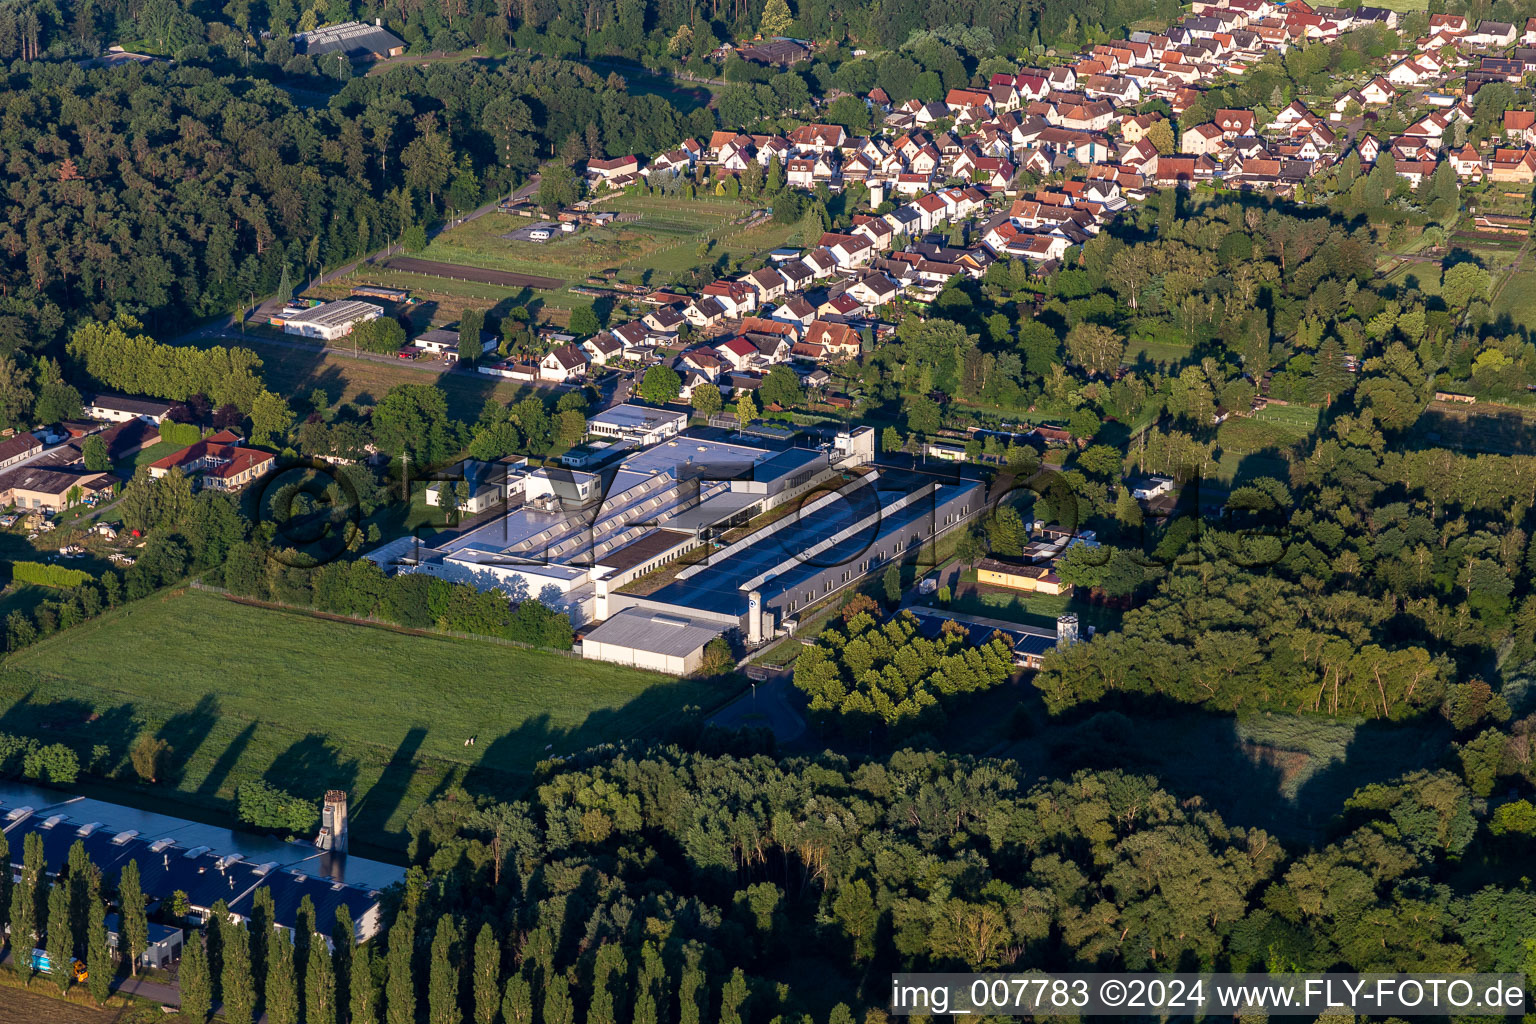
(54, 763)
(183, 434)
(269, 807)
(48, 575)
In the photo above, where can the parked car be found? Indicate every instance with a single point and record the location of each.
(40, 962)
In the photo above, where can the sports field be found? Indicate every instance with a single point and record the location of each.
(237, 690)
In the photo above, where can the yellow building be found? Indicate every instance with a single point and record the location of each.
(1034, 578)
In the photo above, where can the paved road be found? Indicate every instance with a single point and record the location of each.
(155, 991)
(773, 704)
(228, 326)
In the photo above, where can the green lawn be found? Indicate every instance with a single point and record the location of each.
(1518, 299)
(296, 372)
(664, 241)
(310, 704)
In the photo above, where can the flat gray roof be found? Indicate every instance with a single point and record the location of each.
(335, 314)
(639, 417)
(655, 632)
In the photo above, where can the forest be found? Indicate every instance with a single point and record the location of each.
(680, 886)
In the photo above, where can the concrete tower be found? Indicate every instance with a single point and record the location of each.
(333, 822)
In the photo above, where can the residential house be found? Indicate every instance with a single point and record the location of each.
(795, 311)
(1492, 34)
(739, 353)
(600, 171)
(1467, 162)
(819, 139)
(738, 297)
(769, 284)
(847, 250)
(1513, 165)
(838, 341)
(665, 320)
(1234, 122)
(705, 312)
(1201, 139)
(1520, 126)
(873, 289)
(563, 364)
(603, 348)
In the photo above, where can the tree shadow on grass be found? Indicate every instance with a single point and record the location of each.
(310, 767)
(185, 731)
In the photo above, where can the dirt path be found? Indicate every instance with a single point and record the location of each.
(480, 275)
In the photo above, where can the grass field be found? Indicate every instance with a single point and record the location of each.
(1518, 299)
(310, 704)
(296, 372)
(1405, 6)
(664, 241)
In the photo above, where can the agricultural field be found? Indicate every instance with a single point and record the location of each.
(20, 1006)
(244, 692)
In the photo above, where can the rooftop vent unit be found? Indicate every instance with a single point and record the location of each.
(121, 839)
(197, 851)
(267, 868)
(227, 860)
(18, 814)
(161, 844)
(54, 820)
(87, 829)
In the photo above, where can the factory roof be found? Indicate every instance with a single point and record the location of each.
(655, 632)
(336, 314)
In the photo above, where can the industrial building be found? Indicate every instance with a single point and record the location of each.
(577, 540)
(673, 644)
(638, 423)
(329, 320)
(205, 874)
(357, 40)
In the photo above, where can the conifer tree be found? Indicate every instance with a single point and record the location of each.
(79, 877)
(557, 1002)
(443, 975)
(517, 1002)
(400, 985)
(135, 918)
(487, 977)
(282, 995)
(61, 944)
(319, 986)
(263, 914)
(24, 915)
(98, 956)
(214, 943)
(237, 982)
(303, 938)
(5, 885)
(362, 991)
(192, 977)
(343, 944)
